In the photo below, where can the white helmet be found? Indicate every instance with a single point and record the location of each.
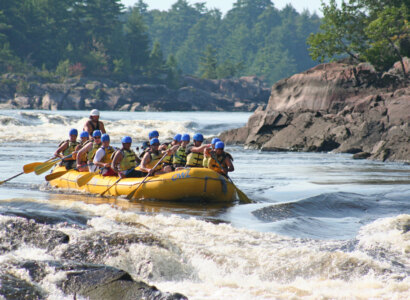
(95, 112)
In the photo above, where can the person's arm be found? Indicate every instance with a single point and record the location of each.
(173, 149)
(101, 126)
(115, 162)
(82, 151)
(229, 164)
(98, 157)
(200, 149)
(60, 150)
(145, 161)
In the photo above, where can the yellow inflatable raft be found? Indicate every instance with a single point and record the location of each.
(187, 184)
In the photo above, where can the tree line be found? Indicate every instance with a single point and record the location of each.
(103, 38)
(376, 31)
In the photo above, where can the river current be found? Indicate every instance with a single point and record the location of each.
(322, 225)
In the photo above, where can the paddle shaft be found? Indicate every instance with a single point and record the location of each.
(130, 195)
(102, 194)
(242, 196)
(1, 182)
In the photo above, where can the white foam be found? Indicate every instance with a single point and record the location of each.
(221, 262)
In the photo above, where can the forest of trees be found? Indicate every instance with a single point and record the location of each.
(103, 38)
(376, 31)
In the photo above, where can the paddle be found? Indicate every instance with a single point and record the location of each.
(132, 193)
(102, 194)
(31, 166)
(242, 196)
(26, 169)
(44, 167)
(1, 182)
(55, 175)
(84, 179)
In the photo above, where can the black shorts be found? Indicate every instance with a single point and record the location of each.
(166, 165)
(178, 166)
(135, 173)
(68, 164)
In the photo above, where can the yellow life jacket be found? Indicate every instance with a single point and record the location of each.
(219, 162)
(107, 158)
(154, 159)
(205, 162)
(91, 153)
(128, 160)
(195, 159)
(169, 158)
(70, 149)
(180, 156)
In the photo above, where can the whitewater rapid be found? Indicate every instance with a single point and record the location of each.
(323, 226)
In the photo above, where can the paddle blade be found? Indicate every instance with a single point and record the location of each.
(44, 167)
(132, 193)
(55, 175)
(84, 179)
(30, 167)
(242, 196)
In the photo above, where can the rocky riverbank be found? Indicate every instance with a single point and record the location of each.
(25, 92)
(334, 107)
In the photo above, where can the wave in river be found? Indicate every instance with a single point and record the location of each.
(206, 261)
(39, 126)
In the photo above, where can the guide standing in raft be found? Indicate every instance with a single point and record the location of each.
(94, 123)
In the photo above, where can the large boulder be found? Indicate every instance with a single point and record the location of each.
(334, 107)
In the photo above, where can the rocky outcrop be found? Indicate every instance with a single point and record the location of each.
(77, 263)
(334, 107)
(243, 94)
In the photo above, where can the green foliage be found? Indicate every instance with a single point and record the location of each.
(9, 62)
(136, 40)
(63, 68)
(156, 65)
(366, 30)
(208, 63)
(173, 73)
(101, 38)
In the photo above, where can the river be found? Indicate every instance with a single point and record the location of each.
(322, 225)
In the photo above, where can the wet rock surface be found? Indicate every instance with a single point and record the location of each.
(76, 266)
(334, 107)
(243, 94)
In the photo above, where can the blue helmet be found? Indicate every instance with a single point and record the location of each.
(84, 134)
(153, 134)
(215, 140)
(154, 141)
(219, 145)
(198, 137)
(126, 139)
(96, 133)
(145, 145)
(185, 137)
(105, 138)
(73, 131)
(177, 137)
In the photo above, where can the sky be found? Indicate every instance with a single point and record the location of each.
(225, 5)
